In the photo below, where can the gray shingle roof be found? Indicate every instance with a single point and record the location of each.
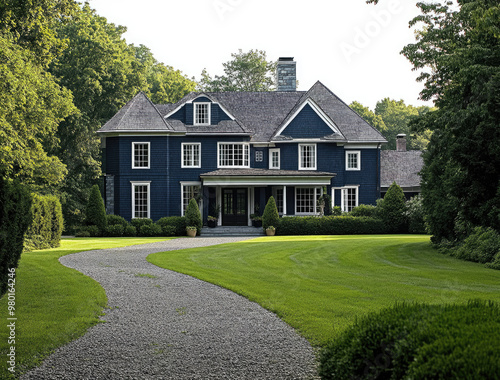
(266, 172)
(139, 114)
(401, 167)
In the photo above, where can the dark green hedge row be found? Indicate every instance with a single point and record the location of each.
(15, 218)
(47, 223)
(331, 225)
(418, 342)
(118, 226)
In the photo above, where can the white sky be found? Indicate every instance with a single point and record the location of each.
(350, 46)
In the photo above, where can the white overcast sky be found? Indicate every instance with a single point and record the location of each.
(350, 46)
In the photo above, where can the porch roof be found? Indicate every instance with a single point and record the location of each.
(266, 177)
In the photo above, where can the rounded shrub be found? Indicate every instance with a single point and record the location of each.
(480, 246)
(416, 215)
(94, 231)
(168, 230)
(139, 222)
(392, 209)
(418, 341)
(130, 231)
(116, 219)
(150, 230)
(364, 210)
(193, 215)
(178, 222)
(270, 217)
(115, 230)
(95, 212)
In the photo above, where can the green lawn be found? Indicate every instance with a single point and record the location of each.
(320, 284)
(54, 304)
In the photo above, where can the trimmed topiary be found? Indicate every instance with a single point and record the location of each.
(270, 217)
(148, 230)
(95, 212)
(179, 222)
(392, 209)
(193, 215)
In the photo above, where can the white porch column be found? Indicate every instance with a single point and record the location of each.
(284, 200)
(218, 201)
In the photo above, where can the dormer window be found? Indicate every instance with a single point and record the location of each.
(201, 113)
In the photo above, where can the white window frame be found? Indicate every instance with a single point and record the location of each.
(246, 155)
(271, 151)
(183, 151)
(358, 154)
(195, 113)
(190, 183)
(301, 164)
(343, 206)
(133, 154)
(134, 185)
(259, 156)
(318, 191)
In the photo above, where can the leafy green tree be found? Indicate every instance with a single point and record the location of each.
(249, 71)
(461, 174)
(95, 212)
(164, 83)
(193, 215)
(270, 217)
(369, 116)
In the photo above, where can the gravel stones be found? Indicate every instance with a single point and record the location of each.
(165, 325)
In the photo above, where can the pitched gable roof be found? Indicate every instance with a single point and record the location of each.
(138, 114)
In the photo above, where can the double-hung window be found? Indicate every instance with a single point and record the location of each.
(140, 199)
(201, 113)
(307, 156)
(352, 160)
(140, 155)
(306, 200)
(233, 155)
(349, 198)
(191, 155)
(189, 190)
(274, 158)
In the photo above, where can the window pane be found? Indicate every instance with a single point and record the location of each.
(307, 156)
(189, 192)
(191, 155)
(201, 113)
(141, 155)
(233, 155)
(141, 201)
(349, 198)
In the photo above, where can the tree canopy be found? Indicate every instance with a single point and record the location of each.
(457, 51)
(249, 71)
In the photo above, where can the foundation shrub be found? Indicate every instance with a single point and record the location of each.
(139, 222)
(331, 225)
(150, 229)
(364, 210)
(418, 341)
(178, 222)
(115, 230)
(116, 219)
(130, 231)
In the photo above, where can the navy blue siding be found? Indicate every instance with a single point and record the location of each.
(307, 124)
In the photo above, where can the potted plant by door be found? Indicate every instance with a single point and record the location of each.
(212, 221)
(270, 231)
(191, 231)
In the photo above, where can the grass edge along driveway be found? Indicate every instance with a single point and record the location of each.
(320, 284)
(54, 304)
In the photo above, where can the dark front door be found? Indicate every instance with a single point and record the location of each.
(234, 207)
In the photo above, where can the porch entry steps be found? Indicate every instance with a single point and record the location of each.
(232, 231)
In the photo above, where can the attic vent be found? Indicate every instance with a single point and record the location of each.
(286, 73)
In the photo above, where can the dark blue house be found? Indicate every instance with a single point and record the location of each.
(236, 149)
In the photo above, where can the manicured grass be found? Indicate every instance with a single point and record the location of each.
(54, 304)
(320, 284)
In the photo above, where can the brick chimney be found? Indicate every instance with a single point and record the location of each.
(401, 142)
(286, 74)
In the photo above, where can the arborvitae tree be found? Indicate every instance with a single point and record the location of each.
(193, 215)
(270, 217)
(95, 213)
(393, 209)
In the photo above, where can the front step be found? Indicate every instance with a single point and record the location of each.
(231, 231)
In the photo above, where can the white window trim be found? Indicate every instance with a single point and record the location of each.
(183, 145)
(358, 153)
(342, 205)
(141, 183)
(271, 151)
(318, 191)
(190, 183)
(209, 113)
(315, 157)
(133, 154)
(219, 166)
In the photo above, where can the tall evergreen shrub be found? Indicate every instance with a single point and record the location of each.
(193, 215)
(392, 210)
(15, 218)
(95, 213)
(270, 217)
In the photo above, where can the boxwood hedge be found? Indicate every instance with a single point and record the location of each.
(331, 225)
(418, 341)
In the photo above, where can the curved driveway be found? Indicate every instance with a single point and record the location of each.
(165, 325)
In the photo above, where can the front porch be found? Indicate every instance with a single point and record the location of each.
(243, 192)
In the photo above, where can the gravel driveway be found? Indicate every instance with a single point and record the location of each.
(165, 325)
